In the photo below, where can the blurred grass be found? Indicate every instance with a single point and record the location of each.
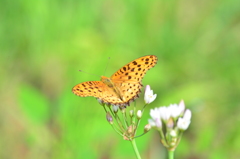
(43, 44)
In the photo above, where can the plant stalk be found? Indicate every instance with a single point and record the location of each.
(135, 148)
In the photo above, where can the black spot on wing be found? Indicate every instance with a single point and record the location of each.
(134, 62)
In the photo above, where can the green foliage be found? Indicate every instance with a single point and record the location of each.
(33, 104)
(43, 44)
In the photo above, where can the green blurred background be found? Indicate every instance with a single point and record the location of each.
(44, 43)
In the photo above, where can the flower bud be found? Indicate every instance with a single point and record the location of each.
(139, 114)
(170, 123)
(147, 128)
(173, 138)
(131, 113)
(100, 102)
(115, 108)
(130, 129)
(173, 133)
(123, 110)
(109, 118)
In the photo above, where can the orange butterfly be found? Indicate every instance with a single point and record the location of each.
(122, 87)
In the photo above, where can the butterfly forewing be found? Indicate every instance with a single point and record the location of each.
(99, 90)
(128, 79)
(90, 88)
(135, 70)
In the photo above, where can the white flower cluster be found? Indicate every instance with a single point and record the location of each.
(170, 121)
(176, 112)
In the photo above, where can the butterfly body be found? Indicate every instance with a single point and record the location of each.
(122, 87)
(111, 84)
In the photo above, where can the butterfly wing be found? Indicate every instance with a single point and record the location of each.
(128, 79)
(90, 88)
(128, 91)
(135, 70)
(99, 90)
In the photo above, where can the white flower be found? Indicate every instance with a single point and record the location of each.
(177, 110)
(149, 97)
(152, 122)
(185, 121)
(154, 113)
(183, 124)
(155, 123)
(164, 113)
(170, 121)
(156, 119)
(187, 115)
(174, 110)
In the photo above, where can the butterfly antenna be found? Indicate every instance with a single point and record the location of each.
(107, 65)
(89, 73)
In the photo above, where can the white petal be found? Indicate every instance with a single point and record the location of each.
(153, 97)
(152, 122)
(158, 123)
(151, 92)
(147, 89)
(154, 113)
(187, 115)
(148, 96)
(164, 113)
(181, 106)
(183, 124)
(175, 110)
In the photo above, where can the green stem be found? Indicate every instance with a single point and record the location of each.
(144, 108)
(116, 117)
(114, 128)
(135, 148)
(170, 154)
(125, 119)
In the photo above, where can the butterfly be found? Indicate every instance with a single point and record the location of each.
(122, 87)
